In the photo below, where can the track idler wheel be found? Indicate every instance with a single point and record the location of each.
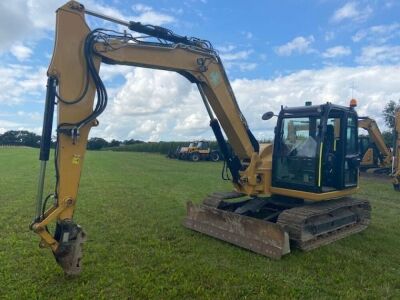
(69, 252)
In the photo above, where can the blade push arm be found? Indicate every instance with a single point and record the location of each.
(77, 55)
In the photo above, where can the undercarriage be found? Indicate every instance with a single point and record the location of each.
(271, 226)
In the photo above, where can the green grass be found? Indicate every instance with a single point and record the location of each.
(132, 206)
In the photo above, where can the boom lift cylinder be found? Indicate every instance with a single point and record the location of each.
(45, 141)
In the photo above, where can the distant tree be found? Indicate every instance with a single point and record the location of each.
(96, 143)
(132, 142)
(20, 138)
(31, 139)
(388, 137)
(114, 143)
(389, 111)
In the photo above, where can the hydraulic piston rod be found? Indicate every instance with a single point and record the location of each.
(45, 142)
(154, 31)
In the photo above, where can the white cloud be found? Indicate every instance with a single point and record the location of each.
(148, 91)
(229, 56)
(33, 116)
(151, 104)
(236, 59)
(379, 34)
(352, 11)
(154, 18)
(374, 87)
(31, 20)
(329, 35)
(21, 84)
(160, 105)
(375, 55)
(247, 66)
(42, 13)
(336, 51)
(195, 121)
(141, 7)
(147, 15)
(390, 3)
(227, 48)
(9, 125)
(13, 22)
(21, 52)
(241, 65)
(6, 125)
(299, 45)
(247, 34)
(109, 72)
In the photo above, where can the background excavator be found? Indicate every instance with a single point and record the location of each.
(376, 156)
(295, 193)
(196, 151)
(396, 152)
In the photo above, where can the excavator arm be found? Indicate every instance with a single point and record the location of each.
(73, 84)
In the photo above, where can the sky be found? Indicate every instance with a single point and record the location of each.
(275, 52)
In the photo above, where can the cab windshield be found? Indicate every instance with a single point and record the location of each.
(297, 151)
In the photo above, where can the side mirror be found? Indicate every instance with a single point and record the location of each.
(268, 115)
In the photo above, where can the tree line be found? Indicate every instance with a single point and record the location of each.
(30, 139)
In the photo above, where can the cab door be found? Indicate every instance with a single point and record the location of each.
(352, 158)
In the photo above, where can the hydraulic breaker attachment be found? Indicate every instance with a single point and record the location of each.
(258, 235)
(68, 254)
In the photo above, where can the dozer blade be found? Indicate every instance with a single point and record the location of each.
(257, 235)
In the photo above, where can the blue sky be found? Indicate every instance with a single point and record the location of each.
(275, 52)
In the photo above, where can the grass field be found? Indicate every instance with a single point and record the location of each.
(132, 205)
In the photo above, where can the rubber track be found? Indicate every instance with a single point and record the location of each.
(295, 220)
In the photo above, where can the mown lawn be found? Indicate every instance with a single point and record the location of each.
(132, 205)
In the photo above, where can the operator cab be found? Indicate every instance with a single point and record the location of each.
(203, 145)
(316, 149)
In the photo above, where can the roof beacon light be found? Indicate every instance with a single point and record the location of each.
(353, 103)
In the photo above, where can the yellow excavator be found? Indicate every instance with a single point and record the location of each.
(294, 193)
(377, 158)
